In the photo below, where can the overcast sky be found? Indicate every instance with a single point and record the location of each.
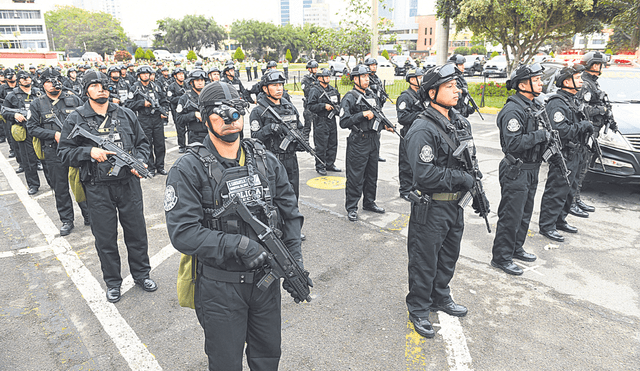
(139, 16)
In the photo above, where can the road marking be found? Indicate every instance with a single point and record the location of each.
(7, 193)
(155, 261)
(131, 348)
(327, 182)
(25, 251)
(458, 355)
(527, 268)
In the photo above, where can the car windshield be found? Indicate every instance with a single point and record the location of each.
(499, 58)
(621, 85)
(430, 60)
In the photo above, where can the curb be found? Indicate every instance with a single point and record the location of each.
(490, 110)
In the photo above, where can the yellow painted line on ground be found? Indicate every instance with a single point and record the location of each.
(327, 182)
(170, 134)
(490, 110)
(413, 352)
(401, 222)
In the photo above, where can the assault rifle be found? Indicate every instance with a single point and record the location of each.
(293, 135)
(336, 108)
(473, 102)
(608, 118)
(119, 159)
(592, 141)
(379, 117)
(554, 147)
(281, 263)
(476, 193)
(155, 105)
(23, 111)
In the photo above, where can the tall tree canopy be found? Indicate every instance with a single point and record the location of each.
(69, 27)
(192, 32)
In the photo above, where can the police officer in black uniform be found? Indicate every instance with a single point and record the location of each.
(118, 89)
(266, 127)
(324, 102)
(42, 123)
(175, 91)
(21, 98)
(408, 106)
(523, 144)
(131, 74)
(463, 106)
(597, 111)
(566, 118)
(72, 82)
(109, 197)
(363, 145)
(150, 118)
(377, 86)
(229, 76)
(214, 74)
(187, 113)
(10, 84)
(230, 309)
(307, 82)
(436, 222)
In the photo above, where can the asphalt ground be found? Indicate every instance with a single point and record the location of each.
(575, 308)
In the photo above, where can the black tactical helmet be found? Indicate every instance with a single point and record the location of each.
(435, 77)
(50, 74)
(113, 69)
(358, 70)
(312, 64)
(22, 74)
(414, 73)
(213, 69)
(130, 65)
(222, 99)
(144, 69)
(323, 72)
(93, 77)
(273, 77)
(72, 69)
(592, 58)
(164, 69)
(457, 59)
(102, 67)
(567, 72)
(178, 70)
(39, 71)
(196, 74)
(369, 61)
(228, 66)
(523, 72)
(158, 64)
(177, 63)
(32, 67)
(8, 73)
(198, 63)
(272, 64)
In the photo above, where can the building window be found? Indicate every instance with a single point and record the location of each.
(425, 41)
(430, 30)
(429, 41)
(31, 30)
(425, 30)
(20, 14)
(8, 30)
(597, 42)
(23, 44)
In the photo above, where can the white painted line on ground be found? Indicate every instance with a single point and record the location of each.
(172, 149)
(155, 261)
(25, 251)
(458, 355)
(131, 348)
(7, 193)
(43, 195)
(527, 268)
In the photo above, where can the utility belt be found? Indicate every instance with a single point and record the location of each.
(446, 196)
(220, 275)
(364, 134)
(285, 155)
(107, 182)
(511, 160)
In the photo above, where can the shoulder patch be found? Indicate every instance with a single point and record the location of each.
(303, 86)
(402, 105)
(169, 93)
(587, 96)
(558, 116)
(170, 198)
(341, 112)
(179, 108)
(513, 125)
(130, 95)
(426, 153)
(255, 125)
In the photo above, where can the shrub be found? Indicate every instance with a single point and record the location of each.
(346, 80)
(191, 56)
(288, 55)
(385, 54)
(462, 50)
(122, 55)
(149, 55)
(494, 54)
(478, 49)
(492, 89)
(239, 55)
(139, 54)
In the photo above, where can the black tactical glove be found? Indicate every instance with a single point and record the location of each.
(467, 180)
(586, 127)
(476, 204)
(275, 128)
(251, 253)
(287, 286)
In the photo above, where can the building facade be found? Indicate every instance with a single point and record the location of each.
(318, 14)
(108, 6)
(22, 27)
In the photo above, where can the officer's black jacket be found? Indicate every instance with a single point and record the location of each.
(236, 83)
(408, 107)
(592, 95)
(117, 90)
(261, 120)
(563, 115)
(40, 123)
(131, 78)
(136, 103)
(351, 112)
(317, 99)
(376, 85)
(434, 168)
(5, 89)
(521, 135)
(76, 151)
(175, 92)
(76, 85)
(186, 114)
(306, 83)
(18, 99)
(188, 235)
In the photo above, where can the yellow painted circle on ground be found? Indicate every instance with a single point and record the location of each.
(327, 182)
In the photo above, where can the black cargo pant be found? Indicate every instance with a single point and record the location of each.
(518, 190)
(325, 139)
(558, 196)
(26, 157)
(586, 157)
(153, 128)
(59, 176)
(232, 314)
(433, 244)
(363, 150)
(405, 174)
(107, 203)
(290, 163)
(309, 118)
(181, 131)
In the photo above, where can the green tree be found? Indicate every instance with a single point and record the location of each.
(288, 55)
(478, 49)
(139, 54)
(192, 32)
(626, 21)
(69, 27)
(256, 36)
(191, 55)
(462, 50)
(385, 54)
(149, 55)
(239, 55)
(523, 26)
